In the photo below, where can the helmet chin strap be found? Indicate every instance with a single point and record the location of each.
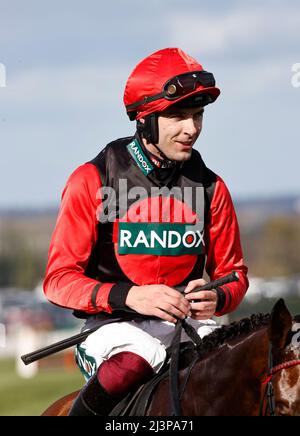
(165, 161)
(150, 132)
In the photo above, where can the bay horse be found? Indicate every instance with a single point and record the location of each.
(247, 368)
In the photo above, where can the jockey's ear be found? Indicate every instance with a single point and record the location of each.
(280, 325)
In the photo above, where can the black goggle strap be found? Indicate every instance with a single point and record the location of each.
(145, 100)
(186, 82)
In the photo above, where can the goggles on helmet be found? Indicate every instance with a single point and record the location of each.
(178, 86)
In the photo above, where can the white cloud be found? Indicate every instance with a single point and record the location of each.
(79, 85)
(256, 78)
(243, 27)
(251, 47)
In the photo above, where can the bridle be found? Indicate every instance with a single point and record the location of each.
(269, 391)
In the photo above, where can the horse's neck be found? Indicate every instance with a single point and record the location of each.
(236, 367)
(248, 352)
(252, 345)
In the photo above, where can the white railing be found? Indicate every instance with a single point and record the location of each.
(24, 340)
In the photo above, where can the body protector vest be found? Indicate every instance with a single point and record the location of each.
(149, 231)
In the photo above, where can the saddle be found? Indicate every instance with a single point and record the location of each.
(136, 403)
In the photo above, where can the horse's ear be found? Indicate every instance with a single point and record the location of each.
(280, 325)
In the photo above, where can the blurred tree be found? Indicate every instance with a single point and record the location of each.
(274, 249)
(20, 265)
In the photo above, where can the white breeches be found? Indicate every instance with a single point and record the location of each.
(148, 338)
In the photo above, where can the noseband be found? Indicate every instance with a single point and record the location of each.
(269, 391)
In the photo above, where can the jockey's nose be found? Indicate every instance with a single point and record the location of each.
(190, 126)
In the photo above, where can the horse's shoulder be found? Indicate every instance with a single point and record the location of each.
(62, 406)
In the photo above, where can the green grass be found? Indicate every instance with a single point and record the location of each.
(30, 397)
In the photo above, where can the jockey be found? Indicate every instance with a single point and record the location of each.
(142, 218)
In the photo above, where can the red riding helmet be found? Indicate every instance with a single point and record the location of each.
(165, 78)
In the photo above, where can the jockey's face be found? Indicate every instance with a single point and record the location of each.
(178, 131)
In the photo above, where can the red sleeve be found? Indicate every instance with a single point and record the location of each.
(74, 236)
(224, 252)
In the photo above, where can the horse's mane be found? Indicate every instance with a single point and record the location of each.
(231, 331)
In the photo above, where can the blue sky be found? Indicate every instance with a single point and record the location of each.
(67, 63)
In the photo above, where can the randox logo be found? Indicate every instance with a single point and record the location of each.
(139, 156)
(160, 239)
(87, 364)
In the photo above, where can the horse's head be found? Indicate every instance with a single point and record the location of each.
(283, 387)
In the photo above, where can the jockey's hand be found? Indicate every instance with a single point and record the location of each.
(203, 303)
(160, 301)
